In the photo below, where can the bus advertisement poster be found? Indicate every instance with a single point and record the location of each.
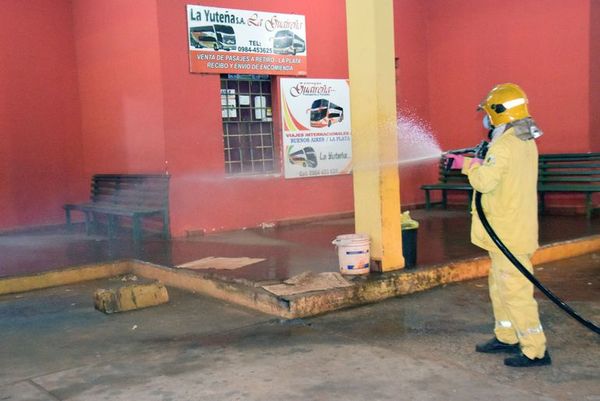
(231, 41)
(315, 117)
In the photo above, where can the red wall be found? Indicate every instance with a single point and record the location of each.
(411, 45)
(455, 52)
(541, 45)
(40, 142)
(594, 82)
(108, 89)
(202, 198)
(118, 60)
(412, 94)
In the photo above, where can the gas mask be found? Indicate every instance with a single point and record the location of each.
(487, 124)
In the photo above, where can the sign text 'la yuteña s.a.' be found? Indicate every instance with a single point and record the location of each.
(230, 41)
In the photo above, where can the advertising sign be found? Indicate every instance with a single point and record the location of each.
(230, 41)
(316, 127)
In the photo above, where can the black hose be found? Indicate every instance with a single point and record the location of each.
(559, 302)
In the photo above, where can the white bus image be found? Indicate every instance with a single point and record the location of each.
(287, 42)
(306, 157)
(216, 37)
(324, 113)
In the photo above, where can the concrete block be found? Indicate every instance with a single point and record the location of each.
(130, 297)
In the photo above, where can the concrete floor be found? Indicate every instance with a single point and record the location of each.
(420, 347)
(55, 346)
(443, 236)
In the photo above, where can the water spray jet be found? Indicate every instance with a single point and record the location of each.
(416, 142)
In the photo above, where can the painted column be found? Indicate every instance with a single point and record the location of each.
(374, 140)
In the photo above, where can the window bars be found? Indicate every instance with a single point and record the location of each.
(246, 109)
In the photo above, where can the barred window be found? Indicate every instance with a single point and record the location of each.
(246, 109)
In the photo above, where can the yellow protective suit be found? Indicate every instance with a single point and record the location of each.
(508, 181)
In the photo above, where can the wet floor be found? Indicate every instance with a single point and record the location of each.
(55, 346)
(443, 236)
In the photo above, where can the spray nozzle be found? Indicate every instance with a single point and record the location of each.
(478, 152)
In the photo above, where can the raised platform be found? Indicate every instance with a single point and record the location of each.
(305, 251)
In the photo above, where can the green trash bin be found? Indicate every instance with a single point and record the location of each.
(410, 229)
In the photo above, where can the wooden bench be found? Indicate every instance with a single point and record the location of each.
(571, 172)
(561, 172)
(135, 196)
(449, 180)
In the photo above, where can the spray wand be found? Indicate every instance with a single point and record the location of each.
(478, 152)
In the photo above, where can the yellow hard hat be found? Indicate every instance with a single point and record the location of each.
(505, 103)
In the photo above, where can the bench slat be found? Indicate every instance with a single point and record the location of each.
(558, 165)
(568, 188)
(569, 156)
(547, 173)
(590, 180)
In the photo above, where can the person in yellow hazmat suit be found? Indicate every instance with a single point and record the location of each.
(507, 179)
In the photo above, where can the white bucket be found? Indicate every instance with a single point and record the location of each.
(354, 253)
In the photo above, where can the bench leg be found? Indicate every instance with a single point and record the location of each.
(444, 199)
(136, 228)
(588, 205)
(88, 222)
(113, 223)
(427, 200)
(166, 230)
(542, 203)
(68, 218)
(470, 200)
